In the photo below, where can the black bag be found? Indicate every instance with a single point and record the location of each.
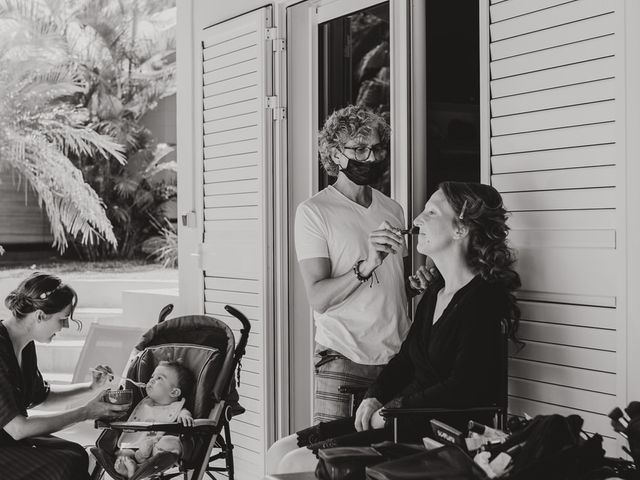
(449, 462)
(554, 450)
(349, 463)
(346, 463)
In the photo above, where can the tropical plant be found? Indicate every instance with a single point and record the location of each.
(94, 69)
(163, 248)
(42, 128)
(127, 52)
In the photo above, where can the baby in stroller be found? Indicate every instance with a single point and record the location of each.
(206, 348)
(166, 390)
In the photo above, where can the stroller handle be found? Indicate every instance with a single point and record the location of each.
(242, 344)
(246, 325)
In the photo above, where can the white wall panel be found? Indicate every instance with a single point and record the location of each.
(592, 177)
(581, 156)
(563, 55)
(235, 255)
(567, 270)
(231, 123)
(588, 198)
(583, 72)
(564, 238)
(563, 219)
(553, 98)
(554, 129)
(599, 360)
(560, 375)
(515, 8)
(568, 335)
(571, 397)
(554, 118)
(564, 34)
(551, 17)
(579, 315)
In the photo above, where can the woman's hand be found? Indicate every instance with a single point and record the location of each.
(185, 418)
(382, 242)
(100, 375)
(365, 411)
(98, 408)
(377, 420)
(425, 274)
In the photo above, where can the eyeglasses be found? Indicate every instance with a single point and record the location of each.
(362, 153)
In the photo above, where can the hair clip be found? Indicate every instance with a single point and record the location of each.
(464, 207)
(45, 295)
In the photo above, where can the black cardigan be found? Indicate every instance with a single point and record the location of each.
(20, 388)
(454, 363)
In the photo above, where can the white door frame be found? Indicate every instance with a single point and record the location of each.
(302, 180)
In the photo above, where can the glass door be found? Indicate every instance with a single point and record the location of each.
(338, 53)
(354, 68)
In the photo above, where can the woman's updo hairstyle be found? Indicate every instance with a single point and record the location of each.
(479, 207)
(41, 291)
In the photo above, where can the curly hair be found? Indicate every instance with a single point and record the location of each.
(479, 207)
(352, 121)
(42, 291)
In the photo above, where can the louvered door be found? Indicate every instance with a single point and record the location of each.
(237, 208)
(553, 159)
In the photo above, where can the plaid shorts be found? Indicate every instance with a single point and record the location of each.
(332, 370)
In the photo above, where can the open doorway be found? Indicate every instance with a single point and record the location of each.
(320, 79)
(453, 93)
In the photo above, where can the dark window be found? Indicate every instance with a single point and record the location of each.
(453, 92)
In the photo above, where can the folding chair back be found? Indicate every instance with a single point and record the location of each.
(106, 345)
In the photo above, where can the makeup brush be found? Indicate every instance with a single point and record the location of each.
(413, 230)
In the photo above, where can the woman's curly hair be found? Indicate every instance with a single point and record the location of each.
(479, 207)
(349, 122)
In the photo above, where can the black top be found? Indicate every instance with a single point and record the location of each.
(454, 363)
(20, 388)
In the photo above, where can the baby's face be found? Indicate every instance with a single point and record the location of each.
(162, 385)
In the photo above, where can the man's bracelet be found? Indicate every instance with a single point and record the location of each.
(356, 271)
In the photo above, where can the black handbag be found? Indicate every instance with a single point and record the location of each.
(346, 463)
(449, 462)
(349, 463)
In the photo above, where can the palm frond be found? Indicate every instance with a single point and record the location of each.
(72, 205)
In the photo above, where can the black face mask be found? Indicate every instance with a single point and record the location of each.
(364, 173)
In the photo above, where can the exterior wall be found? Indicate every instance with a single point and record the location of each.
(556, 156)
(628, 175)
(22, 218)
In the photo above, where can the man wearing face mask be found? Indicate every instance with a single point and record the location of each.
(352, 260)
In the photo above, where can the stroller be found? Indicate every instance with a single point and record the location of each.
(206, 346)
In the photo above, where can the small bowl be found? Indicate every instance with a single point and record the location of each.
(119, 397)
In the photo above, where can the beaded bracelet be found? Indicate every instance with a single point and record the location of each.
(356, 271)
(362, 279)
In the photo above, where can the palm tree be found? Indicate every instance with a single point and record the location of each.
(42, 126)
(127, 53)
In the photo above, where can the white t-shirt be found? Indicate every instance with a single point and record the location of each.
(371, 323)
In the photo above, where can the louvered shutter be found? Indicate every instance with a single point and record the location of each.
(553, 159)
(237, 206)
